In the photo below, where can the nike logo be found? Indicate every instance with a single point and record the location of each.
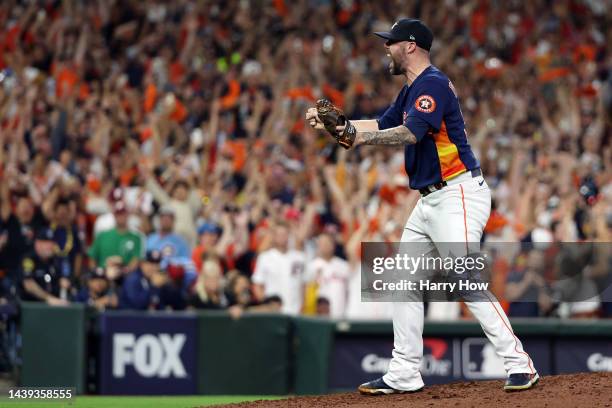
(480, 183)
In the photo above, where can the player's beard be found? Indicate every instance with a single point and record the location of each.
(395, 67)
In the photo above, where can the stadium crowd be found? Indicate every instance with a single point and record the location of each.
(155, 154)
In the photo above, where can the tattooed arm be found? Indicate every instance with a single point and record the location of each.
(399, 135)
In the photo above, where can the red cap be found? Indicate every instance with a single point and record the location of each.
(120, 207)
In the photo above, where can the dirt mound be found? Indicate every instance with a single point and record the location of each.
(575, 390)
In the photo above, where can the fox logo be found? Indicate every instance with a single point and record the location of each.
(151, 355)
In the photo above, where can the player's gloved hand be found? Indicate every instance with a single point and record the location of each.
(334, 121)
(313, 120)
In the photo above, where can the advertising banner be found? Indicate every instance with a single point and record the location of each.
(480, 362)
(578, 355)
(357, 359)
(148, 354)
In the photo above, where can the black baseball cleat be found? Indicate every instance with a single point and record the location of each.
(521, 381)
(379, 387)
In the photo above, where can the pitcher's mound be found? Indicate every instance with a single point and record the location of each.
(572, 390)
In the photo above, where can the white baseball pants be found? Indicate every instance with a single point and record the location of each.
(456, 213)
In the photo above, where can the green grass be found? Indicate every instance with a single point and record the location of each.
(188, 401)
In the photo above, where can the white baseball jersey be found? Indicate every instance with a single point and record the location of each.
(332, 277)
(282, 274)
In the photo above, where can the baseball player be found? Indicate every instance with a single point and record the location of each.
(455, 200)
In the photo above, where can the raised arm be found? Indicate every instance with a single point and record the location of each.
(160, 195)
(366, 125)
(354, 242)
(361, 125)
(368, 132)
(399, 135)
(5, 199)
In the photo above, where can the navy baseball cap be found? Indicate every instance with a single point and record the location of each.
(98, 273)
(409, 29)
(153, 256)
(44, 234)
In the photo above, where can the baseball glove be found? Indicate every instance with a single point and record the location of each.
(332, 117)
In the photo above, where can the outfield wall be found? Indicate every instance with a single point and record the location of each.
(169, 353)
